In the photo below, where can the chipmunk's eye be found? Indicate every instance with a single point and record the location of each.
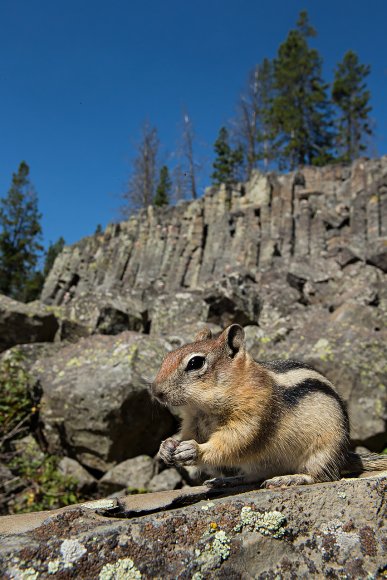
(195, 363)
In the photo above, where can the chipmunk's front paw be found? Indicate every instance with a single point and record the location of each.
(167, 449)
(186, 453)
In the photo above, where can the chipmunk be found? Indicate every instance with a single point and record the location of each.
(280, 421)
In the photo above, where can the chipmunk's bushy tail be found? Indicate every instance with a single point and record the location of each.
(365, 461)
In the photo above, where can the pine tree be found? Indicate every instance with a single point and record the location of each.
(20, 234)
(301, 113)
(253, 126)
(228, 161)
(163, 190)
(352, 98)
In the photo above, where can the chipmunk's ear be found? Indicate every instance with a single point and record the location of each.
(204, 334)
(235, 338)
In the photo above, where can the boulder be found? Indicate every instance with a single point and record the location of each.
(234, 299)
(169, 313)
(25, 323)
(377, 254)
(167, 479)
(95, 404)
(134, 474)
(71, 468)
(108, 312)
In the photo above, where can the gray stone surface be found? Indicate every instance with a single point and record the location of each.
(25, 323)
(167, 479)
(71, 468)
(333, 530)
(135, 473)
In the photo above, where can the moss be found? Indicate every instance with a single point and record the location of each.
(53, 566)
(100, 504)
(207, 506)
(74, 362)
(136, 490)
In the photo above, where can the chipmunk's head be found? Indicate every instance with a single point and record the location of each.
(200, 373)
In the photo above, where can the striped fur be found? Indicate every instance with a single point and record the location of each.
(278, 421)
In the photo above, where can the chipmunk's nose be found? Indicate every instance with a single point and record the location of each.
(157, 393)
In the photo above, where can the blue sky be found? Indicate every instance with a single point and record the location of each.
(80, 77)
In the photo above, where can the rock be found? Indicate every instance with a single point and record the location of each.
(71, 468)
(298, 259)
(167, 479)
(108, 312)
(95, 403)
(235, 299)
(134, 474)
(169, 313)
(232, 300)
(25, 323)
(377, 254)
(324, 530)
(71, 331)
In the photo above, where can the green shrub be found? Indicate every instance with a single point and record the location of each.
(45, 486)
(16, 404)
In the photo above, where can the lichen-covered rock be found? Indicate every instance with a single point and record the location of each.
(107, 312)
(335, 530)
(25, 323)
(95, 401)
(169, 313)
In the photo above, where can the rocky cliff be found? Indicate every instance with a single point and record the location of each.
(326, 218)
